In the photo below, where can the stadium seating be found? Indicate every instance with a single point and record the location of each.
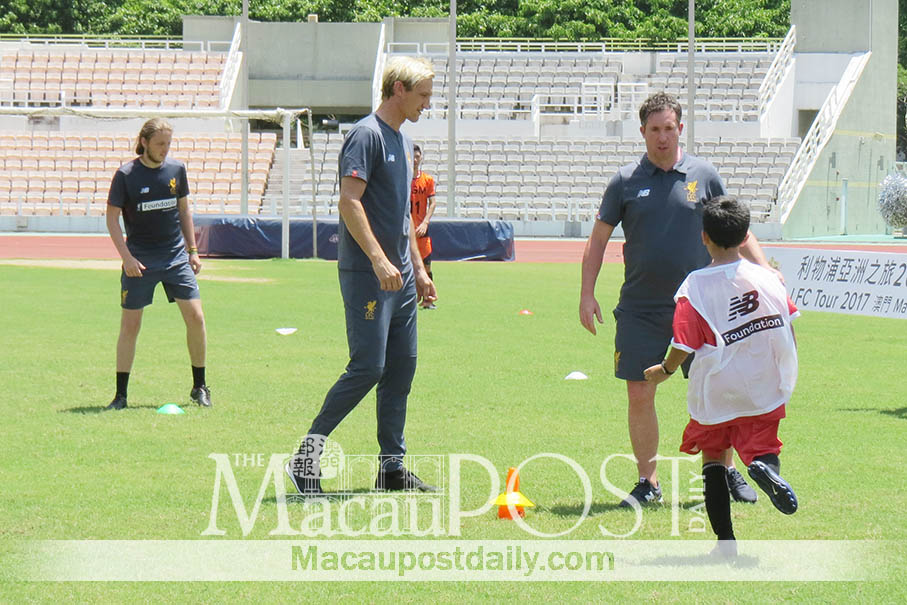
(531, 179)
(111, 78)
(525, 178)
(43, 173)
(517, 178)
(503, 84)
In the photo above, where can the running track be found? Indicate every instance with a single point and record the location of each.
(66, 247)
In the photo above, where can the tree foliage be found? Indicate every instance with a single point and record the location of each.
(54, 17)
(558, 19)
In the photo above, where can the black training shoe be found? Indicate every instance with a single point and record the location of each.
(306, 486)
(118, 403)
(201, 395)
(779, 491)
(644, 493)
(400, 480)
(741, 491)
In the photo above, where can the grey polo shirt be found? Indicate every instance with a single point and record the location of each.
(382, 157)
(661, 214)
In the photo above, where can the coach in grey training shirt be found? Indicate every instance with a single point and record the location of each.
(659, 202)
(382, 279)
(659, 210)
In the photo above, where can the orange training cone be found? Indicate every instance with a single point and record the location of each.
(512, 496)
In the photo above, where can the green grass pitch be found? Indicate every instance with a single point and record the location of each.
(490, 382)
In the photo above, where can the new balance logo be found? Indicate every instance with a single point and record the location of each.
(743, 304)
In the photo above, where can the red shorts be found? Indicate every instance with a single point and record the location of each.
(751, 436)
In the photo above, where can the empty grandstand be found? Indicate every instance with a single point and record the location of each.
(111, 78)
(52, 172)
(540, 127)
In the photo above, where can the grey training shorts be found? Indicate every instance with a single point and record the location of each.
(641, 340)
(138, 292)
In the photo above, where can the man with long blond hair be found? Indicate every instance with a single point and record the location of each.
(151, 192)
(382, 279)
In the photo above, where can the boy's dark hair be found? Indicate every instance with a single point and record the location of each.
(417, 148)
(659, 102)
(726, 221)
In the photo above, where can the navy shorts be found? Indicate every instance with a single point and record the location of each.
(138, 292)
(641, 340)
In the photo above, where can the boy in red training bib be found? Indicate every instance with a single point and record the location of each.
(736, 317)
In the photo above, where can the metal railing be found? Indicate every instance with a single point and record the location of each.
(230, 74)
(117, 42)
(783, 58)
(540, 45)
(818, 136)
(601, 101)
(378, 72)
(630, 96)
(473, 108)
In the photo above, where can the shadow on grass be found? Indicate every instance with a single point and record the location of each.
(575, 510)
(739, 562)
(99, 409)
(298, 498)
(896, 412)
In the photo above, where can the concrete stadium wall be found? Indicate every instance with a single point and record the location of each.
(325, 66)
(416, 30)
(780, 120)
(862, 149)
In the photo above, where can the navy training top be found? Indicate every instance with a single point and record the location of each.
(382, 157)
(148, 198)
(661, 213)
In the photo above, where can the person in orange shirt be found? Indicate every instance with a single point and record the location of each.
(422, 206)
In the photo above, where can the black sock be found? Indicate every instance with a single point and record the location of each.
(718, 500)
(198, 377)
(770, 460)
(122, 383)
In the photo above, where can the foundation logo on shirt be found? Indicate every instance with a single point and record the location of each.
(691, 191)
(744, 304)
(173, 186)
(370, 309)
